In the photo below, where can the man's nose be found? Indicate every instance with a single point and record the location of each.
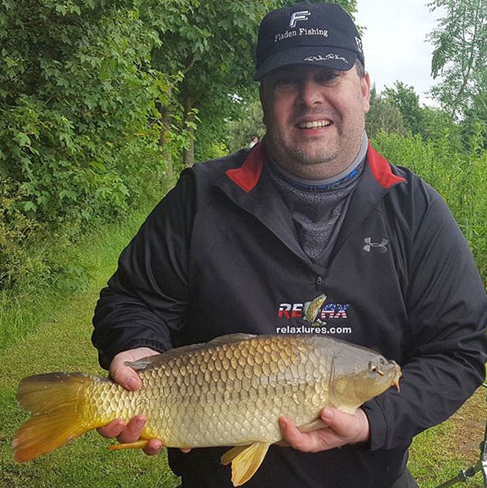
(310, 93)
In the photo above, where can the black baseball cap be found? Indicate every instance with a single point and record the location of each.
(307, 33)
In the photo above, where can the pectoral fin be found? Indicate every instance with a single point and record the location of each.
(128, 445)
(245, 461)
(314, 425)
(349, 410)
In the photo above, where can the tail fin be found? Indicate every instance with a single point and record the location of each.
(55, 403)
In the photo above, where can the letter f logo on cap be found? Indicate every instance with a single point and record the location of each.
(302, 15)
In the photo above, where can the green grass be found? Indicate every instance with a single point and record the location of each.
(434, 458)
(57, 338)
(87, 264)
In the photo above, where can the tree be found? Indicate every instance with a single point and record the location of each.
(247, 125)
(211, 46)
(460, 51)
(436, 123)
(383, 116)
(406, 100)
(77, 93)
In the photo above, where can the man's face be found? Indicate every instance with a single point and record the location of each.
(315, 118)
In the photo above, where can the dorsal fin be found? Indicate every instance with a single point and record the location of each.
(228, 338)
(155, 360)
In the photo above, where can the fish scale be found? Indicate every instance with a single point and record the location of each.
(228, 392)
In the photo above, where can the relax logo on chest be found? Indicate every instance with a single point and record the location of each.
(312, 316)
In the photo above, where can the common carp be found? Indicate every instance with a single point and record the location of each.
(227, 392)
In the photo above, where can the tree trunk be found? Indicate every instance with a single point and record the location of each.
(188, 155)
(164, 134)
(164, 140)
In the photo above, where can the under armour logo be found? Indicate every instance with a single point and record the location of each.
(380, 246)
(301, 15)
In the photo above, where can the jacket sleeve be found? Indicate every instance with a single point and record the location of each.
(145, 299)
(446, 351)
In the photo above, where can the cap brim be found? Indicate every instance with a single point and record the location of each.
(329, 57)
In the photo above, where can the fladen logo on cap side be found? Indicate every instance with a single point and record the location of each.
(329, 56)
(295, 16)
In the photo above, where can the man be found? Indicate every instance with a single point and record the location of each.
(244, 243)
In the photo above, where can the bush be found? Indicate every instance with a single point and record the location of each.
(74, 127)
(459, 176)
(79, 128)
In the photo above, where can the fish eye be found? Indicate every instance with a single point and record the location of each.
(372, 368)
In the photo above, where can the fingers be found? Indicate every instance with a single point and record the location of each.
(340, 429)
(153, 447)
(125, 433)
(351, 428)
(133, 430)
(129, 379)
(125, 375)
(299, 440)
(128, 433)
(113, 429)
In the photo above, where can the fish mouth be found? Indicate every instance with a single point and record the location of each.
(396, 381)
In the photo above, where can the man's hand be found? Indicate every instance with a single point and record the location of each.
(129, 379)
(341, 429)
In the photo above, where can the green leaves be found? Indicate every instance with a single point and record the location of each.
(76, 100)
(460, 51)
(99, 100)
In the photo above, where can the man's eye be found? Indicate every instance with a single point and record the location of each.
(328, 79)
(284, 84)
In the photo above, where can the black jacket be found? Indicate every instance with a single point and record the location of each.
(220, 255)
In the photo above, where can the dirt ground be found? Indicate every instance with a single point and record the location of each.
(469, 425)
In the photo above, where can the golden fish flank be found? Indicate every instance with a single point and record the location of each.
(230, 391)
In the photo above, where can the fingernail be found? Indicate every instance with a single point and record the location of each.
(131, 384)
(328, 413)
(139, 422)
(154, 446)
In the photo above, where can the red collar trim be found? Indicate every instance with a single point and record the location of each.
(381, 169)
(247, 176)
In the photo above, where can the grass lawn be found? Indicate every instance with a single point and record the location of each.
(63, 344)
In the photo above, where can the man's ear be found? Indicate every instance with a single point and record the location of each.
(365, 87)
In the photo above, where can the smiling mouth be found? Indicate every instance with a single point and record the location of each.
(314, 124)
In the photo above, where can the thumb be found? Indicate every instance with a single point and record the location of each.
(124, 375)
(352, 428)
(332, 418)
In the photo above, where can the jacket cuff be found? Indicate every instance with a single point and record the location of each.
(377, 424)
